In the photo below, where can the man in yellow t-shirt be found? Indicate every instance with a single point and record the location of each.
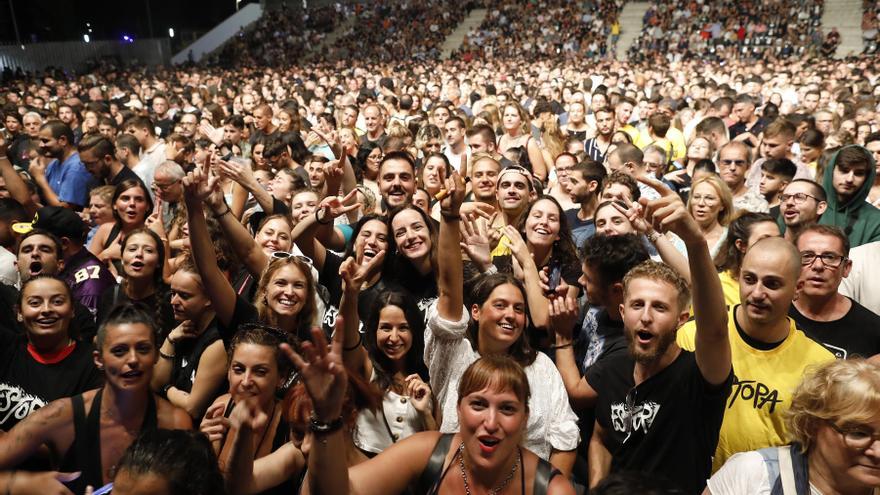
(769, 354)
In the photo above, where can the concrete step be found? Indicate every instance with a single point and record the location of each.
(846, 16)
(456, 37)
(630, 26)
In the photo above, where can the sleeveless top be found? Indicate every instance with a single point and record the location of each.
(394, 420)
(431, 478)
(85, 453)
(187, 357)
(282, 436)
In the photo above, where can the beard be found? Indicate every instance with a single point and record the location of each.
(650, 355)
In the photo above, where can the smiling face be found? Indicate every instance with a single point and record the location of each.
(302, 205)
(287, 291)
(128, 356)
(513, 192)
(274, 236)
(543, 223)
(433, 174)
(140, 256)
(484, 176)
(372, 238)
(46, 309)
(396, 181)
(651, 316)
(394, 335)
(253, 372)
(501, 319)
(411, 235)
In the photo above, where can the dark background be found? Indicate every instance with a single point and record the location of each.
(65, 20)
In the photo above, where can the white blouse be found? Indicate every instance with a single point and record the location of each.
(401, 419)
(552, 423)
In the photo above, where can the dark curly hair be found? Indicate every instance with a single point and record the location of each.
(613, 256)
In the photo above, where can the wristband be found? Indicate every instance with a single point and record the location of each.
(164, 392)
(218, 215)
(450, 216)
(166, 356)
(561, 346)
(318, 219)
(319, 427)
(355, 346)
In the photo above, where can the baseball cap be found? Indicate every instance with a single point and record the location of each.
(63, 222)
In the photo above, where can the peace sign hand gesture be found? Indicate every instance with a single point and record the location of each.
(322, 371)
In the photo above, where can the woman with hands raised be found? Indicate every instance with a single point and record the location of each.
(389, 355)
(285, 295)
(493, 323)
(485, 456)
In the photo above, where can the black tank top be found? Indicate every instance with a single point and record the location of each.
(431, 478)
(85, 453)
(188, 354)
(282, 436)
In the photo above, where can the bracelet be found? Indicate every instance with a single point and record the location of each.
(166, 356)
(9, 482)
(164, 392)
(561, 346)
(653, 236)
(450, 216)
(359, 342)
(319, 427)
(218, 215)
(318, 219)
(4, 157)
(491, 270)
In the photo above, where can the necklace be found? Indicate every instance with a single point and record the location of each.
(501, 486)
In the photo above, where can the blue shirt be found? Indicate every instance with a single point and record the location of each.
(70, 180)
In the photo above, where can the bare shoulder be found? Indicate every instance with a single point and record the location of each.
(171, 417)
(560, 485)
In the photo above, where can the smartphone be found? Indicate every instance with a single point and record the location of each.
(104, 490)
(555, 274)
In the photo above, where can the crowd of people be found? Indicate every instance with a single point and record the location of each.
(510, 274)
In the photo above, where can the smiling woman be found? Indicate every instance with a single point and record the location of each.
(90, 431)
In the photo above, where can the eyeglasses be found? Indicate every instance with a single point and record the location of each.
(830, 260)
(738, 163)
(706, 200)
(165, 187)
(798, 198)
(856, 438)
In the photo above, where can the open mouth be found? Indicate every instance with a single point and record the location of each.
(542, 231)
(137, 265)
(488, 444)
(287, 302)
(132, 374)
(35, 268)
(47, 321)
(507, 326)
(369, 254)
(644, 337)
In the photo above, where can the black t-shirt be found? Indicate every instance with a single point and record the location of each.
(125, 174)
(581, 230)
(857, 333)
(158, 305)
(667, 426)
(27, 384)
(331, 280)
(244, 313)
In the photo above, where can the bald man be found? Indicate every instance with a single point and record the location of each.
(769, 353)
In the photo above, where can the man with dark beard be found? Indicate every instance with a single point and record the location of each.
(585, 186)
(597, 147)
(397, 179)
(658, 408)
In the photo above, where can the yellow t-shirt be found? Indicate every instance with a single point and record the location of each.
(674, 139)
(762, 388)
(730, 287)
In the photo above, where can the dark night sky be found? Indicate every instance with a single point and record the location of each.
(62, 20)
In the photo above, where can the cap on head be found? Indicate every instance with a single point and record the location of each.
(62, 222)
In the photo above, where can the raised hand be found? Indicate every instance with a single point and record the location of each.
(516, 244)
(475, 241)
(564, 314)
(239, 172)
(478, 208)
(186, 330)
(668, 213)
(199, 185)
(455, 191)
(354, 275)
(322, 372)
(248, 415)
(215, 425)
(334, 206)
(419, 394)
(634, 213)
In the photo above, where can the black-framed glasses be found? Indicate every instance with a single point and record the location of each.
(798, 198)
(856, 438)
(830, 260)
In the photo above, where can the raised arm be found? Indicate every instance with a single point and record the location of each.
(636, 215)
(712, 344)
(38, 428)
(353, 277)
(198, 187)
(450, 269)
(242, 174)
(18, 190)
(307, 232)
(563, 314)
(535, 295)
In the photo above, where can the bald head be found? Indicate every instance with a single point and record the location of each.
(782, 251)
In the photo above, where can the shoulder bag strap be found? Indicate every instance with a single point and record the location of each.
(786, 471)
(543, 475)
(434, 468)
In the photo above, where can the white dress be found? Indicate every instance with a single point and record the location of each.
(552, 423)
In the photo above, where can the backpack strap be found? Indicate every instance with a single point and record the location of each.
(544, 474)
(786, 471)
(434, 469)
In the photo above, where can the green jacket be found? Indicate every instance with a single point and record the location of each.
(858, 218)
